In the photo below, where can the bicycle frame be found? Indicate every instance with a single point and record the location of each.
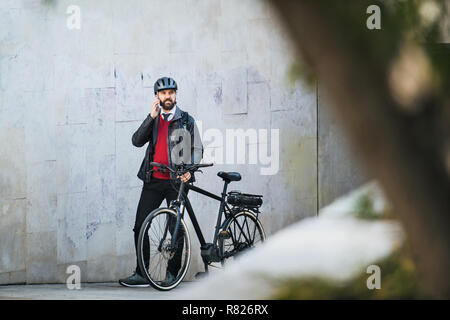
(181, 203)
(209, 250)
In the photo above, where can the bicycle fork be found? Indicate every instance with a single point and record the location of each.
(179, 206)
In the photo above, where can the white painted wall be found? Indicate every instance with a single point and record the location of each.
(71, 99)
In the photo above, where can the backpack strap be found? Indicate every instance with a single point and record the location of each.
(184, 119)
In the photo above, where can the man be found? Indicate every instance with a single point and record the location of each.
(168, 131)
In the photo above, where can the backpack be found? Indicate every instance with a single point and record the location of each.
(184, 120)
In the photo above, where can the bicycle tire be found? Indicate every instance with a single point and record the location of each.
(234, 243)
(161, 257)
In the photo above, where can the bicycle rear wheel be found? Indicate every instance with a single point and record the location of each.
(163, 265)
(243, 232)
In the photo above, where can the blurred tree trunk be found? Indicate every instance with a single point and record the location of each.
(403, 151)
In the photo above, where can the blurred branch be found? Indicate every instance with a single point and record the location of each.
(403, 147)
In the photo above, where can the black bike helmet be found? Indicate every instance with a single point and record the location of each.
(165, 83)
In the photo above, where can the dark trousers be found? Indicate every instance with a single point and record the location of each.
(152, 195)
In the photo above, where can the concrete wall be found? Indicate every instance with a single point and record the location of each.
(71, 99)
(338, 169)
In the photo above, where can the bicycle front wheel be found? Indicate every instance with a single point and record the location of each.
(163, 264)
(239, 233)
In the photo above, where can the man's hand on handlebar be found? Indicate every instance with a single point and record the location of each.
(185, 177)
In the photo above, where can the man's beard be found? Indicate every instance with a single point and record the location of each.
(168, 105)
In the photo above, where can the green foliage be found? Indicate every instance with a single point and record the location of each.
(364, 208)
(399, 280)
(401, 21)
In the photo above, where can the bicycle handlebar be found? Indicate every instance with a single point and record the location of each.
(182, 168)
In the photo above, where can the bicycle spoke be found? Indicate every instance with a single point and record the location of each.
(248, 230)
(157, 227)
(154, 230)
(158, 264)
(242, 234)
(241, 229)
(236, 231)
(254, 234)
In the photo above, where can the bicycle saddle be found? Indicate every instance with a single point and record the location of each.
(229, 176)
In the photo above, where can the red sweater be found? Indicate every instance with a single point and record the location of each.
(160, 154)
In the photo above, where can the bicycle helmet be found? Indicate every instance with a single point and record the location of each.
(165, 83)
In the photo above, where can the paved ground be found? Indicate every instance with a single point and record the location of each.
(88, 291)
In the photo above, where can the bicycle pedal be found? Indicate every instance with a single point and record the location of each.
(224, 234)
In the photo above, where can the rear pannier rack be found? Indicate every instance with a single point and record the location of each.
(239, 199)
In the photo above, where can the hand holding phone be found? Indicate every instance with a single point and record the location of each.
(155, 108)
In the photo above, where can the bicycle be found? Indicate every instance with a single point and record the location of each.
(168, 239)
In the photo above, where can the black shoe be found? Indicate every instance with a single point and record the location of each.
(134, 281)
(170, 278)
